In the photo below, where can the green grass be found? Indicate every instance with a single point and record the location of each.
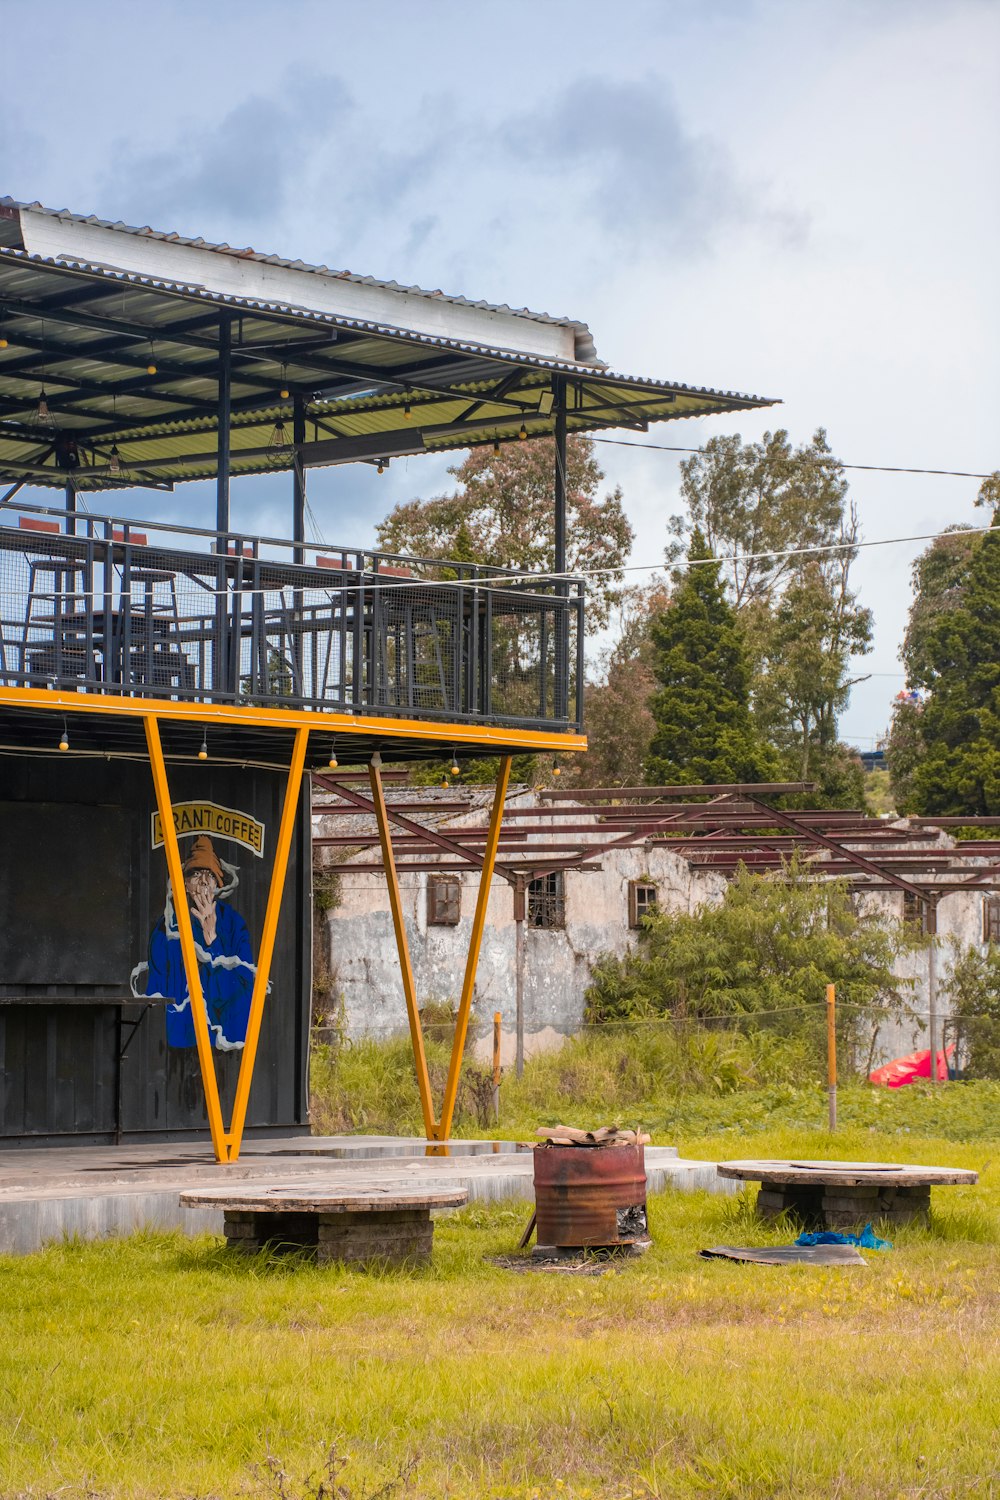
(157, 1366)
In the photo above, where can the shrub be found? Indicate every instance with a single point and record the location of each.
(765, 954)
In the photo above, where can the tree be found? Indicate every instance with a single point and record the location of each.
(763, 506)
(953, 652)
(502, 515)
(616, 711)
(704, 731)
(767, 949)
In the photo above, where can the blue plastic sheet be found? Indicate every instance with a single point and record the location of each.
(866, 1240)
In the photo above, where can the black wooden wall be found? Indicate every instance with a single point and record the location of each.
(80, 891)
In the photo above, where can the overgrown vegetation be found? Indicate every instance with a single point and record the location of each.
(972, 980)
(764, 952)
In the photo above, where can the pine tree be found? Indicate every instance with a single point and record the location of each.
(960, 667)
(704, 730)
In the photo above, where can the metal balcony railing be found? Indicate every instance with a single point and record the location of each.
(149, 610)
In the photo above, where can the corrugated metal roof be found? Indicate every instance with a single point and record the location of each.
(583, 337)
(86, 335)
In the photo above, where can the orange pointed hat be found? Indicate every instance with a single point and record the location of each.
(202, 856)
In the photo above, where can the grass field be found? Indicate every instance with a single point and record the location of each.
(159, 1367)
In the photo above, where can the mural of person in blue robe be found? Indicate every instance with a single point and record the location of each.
(225, 957)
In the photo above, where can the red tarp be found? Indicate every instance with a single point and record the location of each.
(905, 1069)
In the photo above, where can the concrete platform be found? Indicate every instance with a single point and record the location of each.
(91, 1192)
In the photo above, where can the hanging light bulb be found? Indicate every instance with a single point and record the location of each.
(43, 406)
(64, 739)
(279, 437)
(333, 761)
(203, 752)
(3, 342)
(456, 769)
(151, 366)
(114, 460)
(496, 445)
(406, 407)
(556, 767)
(381, 467)
(523, 432)
(284, 392)
(444, 783)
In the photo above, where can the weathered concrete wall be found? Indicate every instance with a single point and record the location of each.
(557, 962)
(960, 920)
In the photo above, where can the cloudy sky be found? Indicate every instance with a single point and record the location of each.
(795, 198)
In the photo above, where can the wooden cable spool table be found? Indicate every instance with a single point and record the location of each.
(844, 1194)
(382, 1223)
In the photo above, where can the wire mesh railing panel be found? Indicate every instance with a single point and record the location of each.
(111, 613)
(416, 640)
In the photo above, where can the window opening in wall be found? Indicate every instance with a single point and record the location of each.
(547, 901)
(914, 910)
(991, 919)
(444, 901)
(641, 901)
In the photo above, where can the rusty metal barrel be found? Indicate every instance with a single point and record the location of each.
(585, 1198)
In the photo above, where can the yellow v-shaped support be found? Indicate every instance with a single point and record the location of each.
(226, 1143)
(439, 1129)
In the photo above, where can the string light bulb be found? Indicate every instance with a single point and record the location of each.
(3, 342)
(496, 445)
(203, 752)
(284, 392)
(333, 762)
(523, 432)
(64, 739)
(406, 407)
(114, 460)
(151, 366)
(556, 767)
(43, 406)
(380, 469)
(456, 769)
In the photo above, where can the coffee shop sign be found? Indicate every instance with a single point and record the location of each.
(215, 821)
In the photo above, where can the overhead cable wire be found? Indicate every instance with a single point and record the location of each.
(862, 468)
(375, 580)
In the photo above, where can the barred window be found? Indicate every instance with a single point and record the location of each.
(914, 910)
(641, 901)
(547, 901)
(991, 919)
(444, 901)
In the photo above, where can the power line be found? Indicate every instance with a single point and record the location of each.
(866, 468)
(374, 581)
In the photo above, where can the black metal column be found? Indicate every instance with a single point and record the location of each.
(70, 508)
(561, 692)
(225, 399)
(299, 479)
(298, 526)
(220, 654)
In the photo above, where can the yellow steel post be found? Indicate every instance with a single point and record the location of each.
(831, 1052)
(475, 943)
(403, 947)
(182, 911)
(285, 831)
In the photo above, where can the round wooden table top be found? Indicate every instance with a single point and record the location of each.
(312, 1197)
(844, 1173)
